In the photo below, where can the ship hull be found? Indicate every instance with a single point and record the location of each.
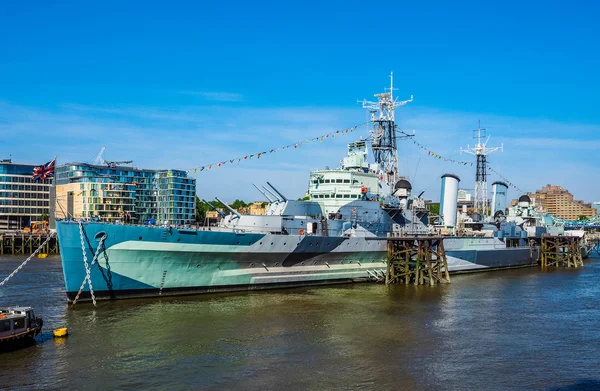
(143, 261)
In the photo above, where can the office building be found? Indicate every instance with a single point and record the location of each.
(559, 202)
(109, 192)
(23, 201)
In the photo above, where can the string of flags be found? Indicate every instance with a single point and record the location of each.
(258, 155)
(505, 180)
(438, 156)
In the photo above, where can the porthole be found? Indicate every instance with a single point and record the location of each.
(198, 266)
(271, 243)
(259, 242)
(315, 262)
(284, 244)
(251, 265)
(302, 264)
(276, 263)
(140, 238)
(238, 242)
(179, 240)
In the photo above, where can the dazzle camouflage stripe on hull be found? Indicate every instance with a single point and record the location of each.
(153, 259)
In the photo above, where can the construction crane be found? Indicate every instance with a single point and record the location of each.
(114, 164)
(99, 160)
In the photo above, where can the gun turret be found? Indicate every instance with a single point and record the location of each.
(213, 208)
(229, 208)
(277, 191)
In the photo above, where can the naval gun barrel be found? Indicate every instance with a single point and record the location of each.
(277, 191)
(273, 194)
(214, 208)
(229, 208)
(263, 193)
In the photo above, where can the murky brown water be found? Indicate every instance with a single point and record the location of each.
(520, 329)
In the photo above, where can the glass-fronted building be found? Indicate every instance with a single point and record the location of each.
(23, 201)
(111, 192)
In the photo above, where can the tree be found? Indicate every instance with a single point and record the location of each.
(201, 209)
(307, 198)
(582, 217)
(238, 204)
(434, 209)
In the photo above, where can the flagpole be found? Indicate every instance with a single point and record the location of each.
(52, 201)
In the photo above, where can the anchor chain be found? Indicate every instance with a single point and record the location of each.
(108, 279)
(28, 259)
(87, 278)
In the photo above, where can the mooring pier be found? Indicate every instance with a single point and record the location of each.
(416, 259)
(26, 243)
(561, 251)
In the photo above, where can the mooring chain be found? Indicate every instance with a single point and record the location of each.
(109, 279)
(87, 278)
(28, 259)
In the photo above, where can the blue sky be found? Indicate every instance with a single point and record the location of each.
(184, 84)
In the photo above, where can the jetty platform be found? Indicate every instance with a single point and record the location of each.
(25, 243)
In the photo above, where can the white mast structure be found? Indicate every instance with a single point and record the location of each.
(383, 133)
(481, 151)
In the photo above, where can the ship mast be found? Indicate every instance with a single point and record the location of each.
(383, 133)
(481, 151)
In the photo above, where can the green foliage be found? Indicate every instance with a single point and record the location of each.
(307, 198)
(582, 217)
(201, 209)
(264, 205)
(237, 204)
(434, 209)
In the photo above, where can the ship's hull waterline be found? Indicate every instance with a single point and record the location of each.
(152, 261)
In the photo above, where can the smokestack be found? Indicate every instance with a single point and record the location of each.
(499, 191)
(449, 199)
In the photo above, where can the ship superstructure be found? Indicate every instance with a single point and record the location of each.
(355, 179)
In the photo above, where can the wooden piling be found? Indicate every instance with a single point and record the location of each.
(417, 260)
(561, 251)
(26, 243)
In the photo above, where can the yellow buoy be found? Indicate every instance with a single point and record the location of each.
(62, 332)
(42, 255)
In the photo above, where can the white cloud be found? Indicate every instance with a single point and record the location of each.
(184, 137)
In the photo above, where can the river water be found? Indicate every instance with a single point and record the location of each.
(517, 329)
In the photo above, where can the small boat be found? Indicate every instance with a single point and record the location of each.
(18, 327)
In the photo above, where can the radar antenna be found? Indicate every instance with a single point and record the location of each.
(383, 133)
(481, 151)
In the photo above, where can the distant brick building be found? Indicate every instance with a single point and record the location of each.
(559, 202)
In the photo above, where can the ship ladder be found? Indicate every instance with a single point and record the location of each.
(87, 277)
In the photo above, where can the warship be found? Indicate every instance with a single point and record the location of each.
(339, 235)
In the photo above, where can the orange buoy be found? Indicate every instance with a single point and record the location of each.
(301, 231)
